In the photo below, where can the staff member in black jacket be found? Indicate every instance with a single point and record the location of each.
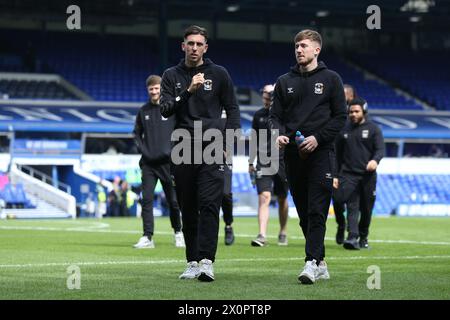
(266, 184)
(339, 208)
(359, 150)
(152, 136)
(196, 91)
(310, 98)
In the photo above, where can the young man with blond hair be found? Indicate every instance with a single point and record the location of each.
(152, 136)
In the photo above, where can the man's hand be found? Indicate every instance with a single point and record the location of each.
(251, 168)
(309, 145)
(282, 141)
(335, 183)
(372, 166)
(197, 82)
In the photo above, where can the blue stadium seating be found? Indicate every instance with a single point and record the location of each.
(34, 89)
(15, 196)
(423, 74)
(114, 67)
(411, 189)
(392, 190)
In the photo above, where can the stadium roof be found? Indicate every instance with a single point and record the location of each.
(396, 14)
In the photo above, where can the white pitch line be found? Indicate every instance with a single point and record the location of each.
(134, 262)
(95, 229)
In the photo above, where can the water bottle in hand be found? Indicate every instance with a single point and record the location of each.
(253, 177)
(299, 138)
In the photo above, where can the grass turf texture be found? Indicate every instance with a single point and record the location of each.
(413, 255)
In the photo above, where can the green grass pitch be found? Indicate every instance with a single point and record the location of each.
(412, 254)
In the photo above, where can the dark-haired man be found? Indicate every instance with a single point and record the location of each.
(196, 91)
(339, 208)
(359, 150)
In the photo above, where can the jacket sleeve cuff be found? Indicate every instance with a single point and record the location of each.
(184, 96)
(318, 139)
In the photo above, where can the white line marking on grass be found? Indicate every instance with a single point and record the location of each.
(134, 262)
(100, 229)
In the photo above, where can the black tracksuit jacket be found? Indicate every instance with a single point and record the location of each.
(206, 103)
(356, 145)
(311, 102)
(152, 134)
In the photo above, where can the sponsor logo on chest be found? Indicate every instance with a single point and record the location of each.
(318, 88)
(365, 134)
(207, 85)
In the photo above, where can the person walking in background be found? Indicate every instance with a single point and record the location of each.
(113, 200)
(339, 208)
(152, 136)
(268, 184)
(359, 150)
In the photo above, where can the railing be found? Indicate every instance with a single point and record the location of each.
(44, 191)
(44, 177)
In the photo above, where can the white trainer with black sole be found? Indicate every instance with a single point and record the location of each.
(179, 240)
(144, 243)
(192, 271)
(206, 271)
(322, 271)
(308, 275)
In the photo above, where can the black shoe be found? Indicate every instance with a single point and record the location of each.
(340, 234)
(229, 236)
(351, 244)
(363, 244)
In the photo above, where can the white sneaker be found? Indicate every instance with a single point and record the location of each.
(206, 271)
(322, 271)
(308, 275)
(179, 240)
(144, 243)
(192, 271)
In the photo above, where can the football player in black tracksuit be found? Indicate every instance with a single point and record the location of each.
(196, 91)
(359, 149)
(339, 208)
(310, 98)
(152, 136)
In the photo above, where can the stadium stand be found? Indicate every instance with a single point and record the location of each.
(15, 196)
(11, 63)
(429, 79)
(114, 67)
(34, 89)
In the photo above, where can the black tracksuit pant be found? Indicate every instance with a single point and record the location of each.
(199, 189)
(339, 209)
(361, 191)
(227, 200)
(150, 176)
(311, 182)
